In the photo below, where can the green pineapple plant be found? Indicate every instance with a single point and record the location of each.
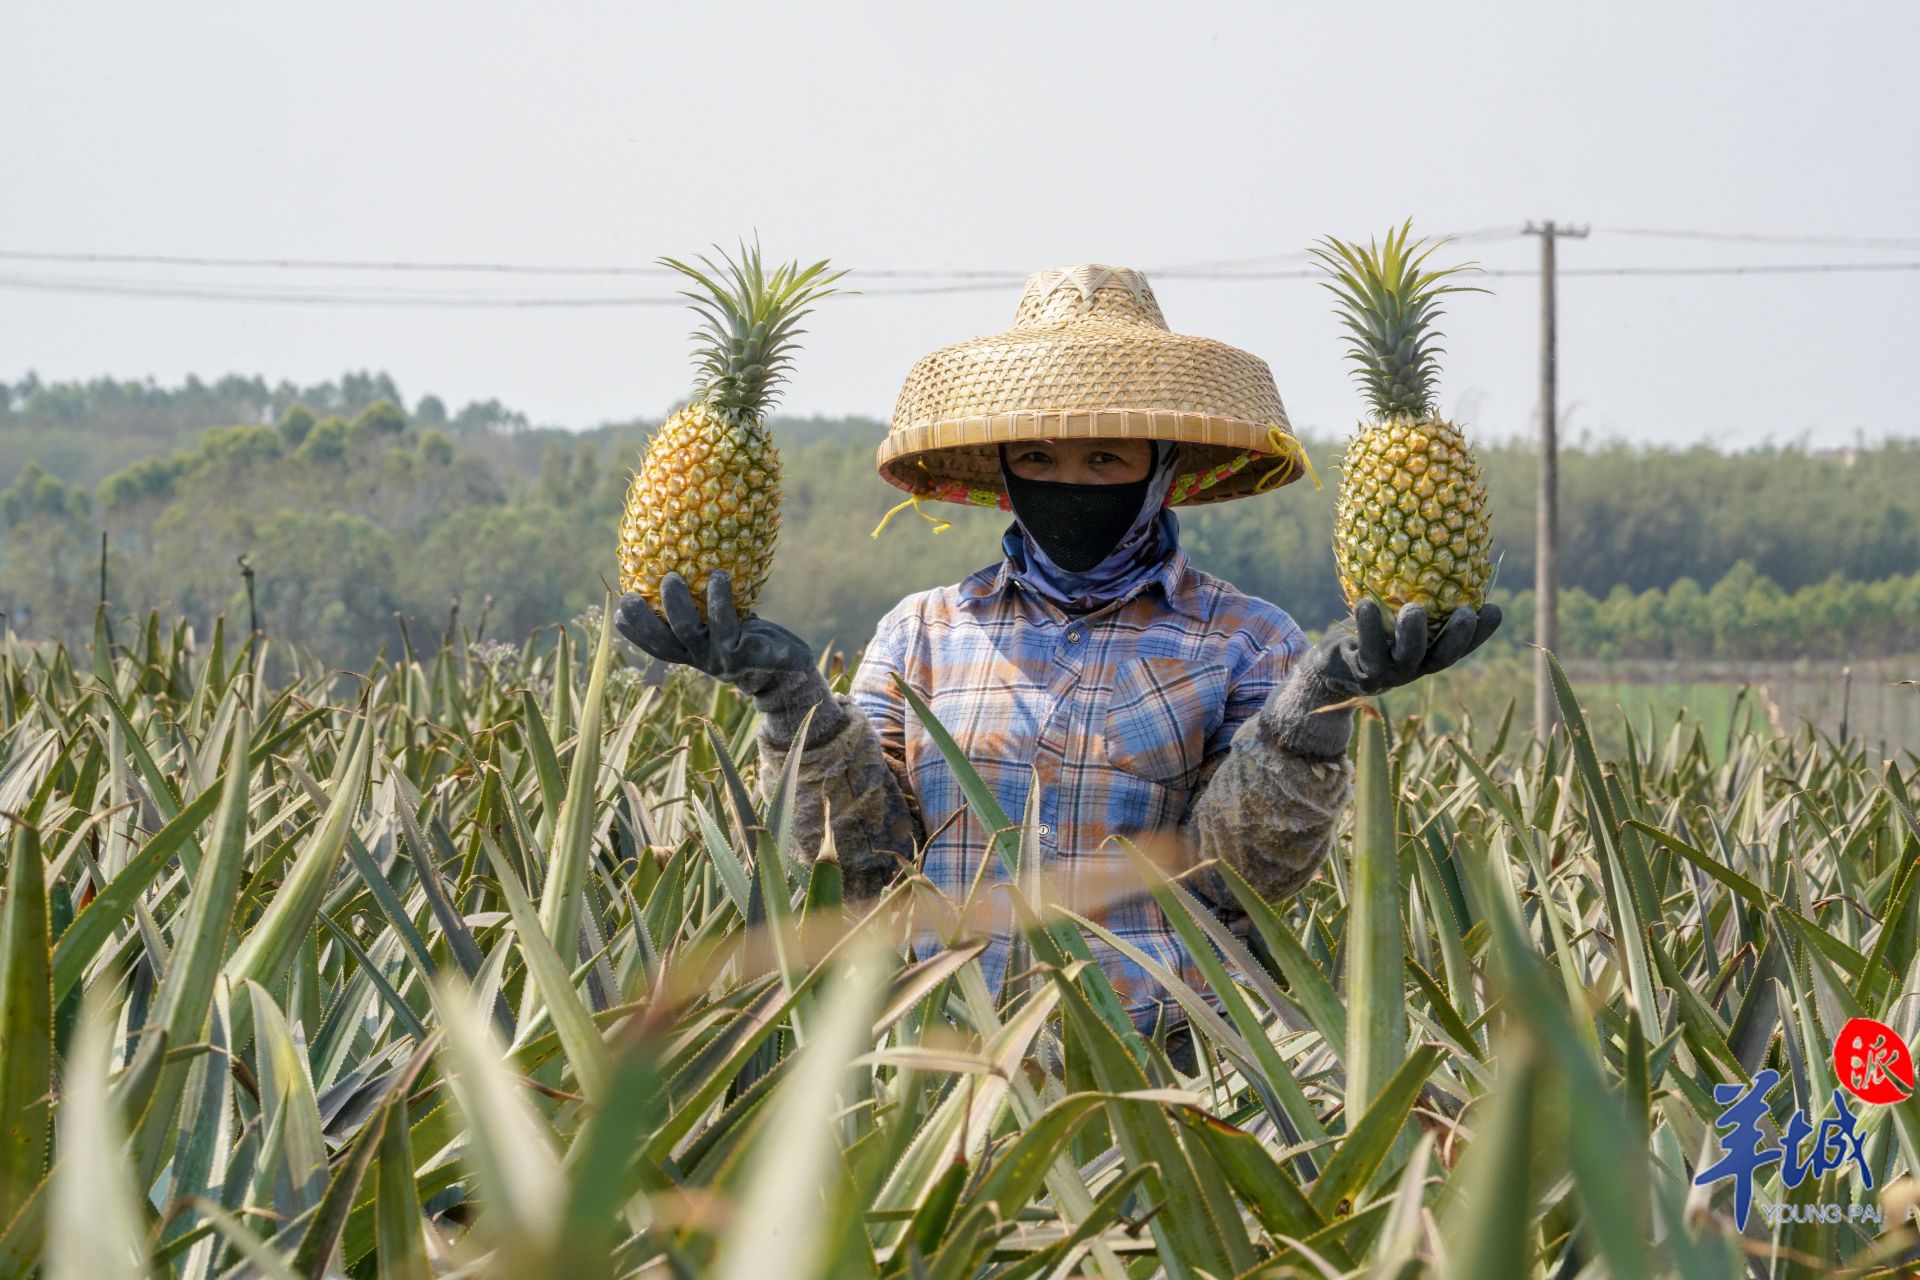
(290, 987)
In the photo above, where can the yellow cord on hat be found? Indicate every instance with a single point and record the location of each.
(1290, 452)
(939, 525)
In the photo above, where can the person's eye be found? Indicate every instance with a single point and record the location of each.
(1035, 457)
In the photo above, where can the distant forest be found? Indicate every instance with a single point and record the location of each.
(355, 510)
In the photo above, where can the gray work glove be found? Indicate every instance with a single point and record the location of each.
(1359, 659)
(763, 660)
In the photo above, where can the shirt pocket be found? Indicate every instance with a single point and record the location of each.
(1160, 715)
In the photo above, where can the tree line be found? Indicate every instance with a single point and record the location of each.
(1741, 617)
(83, 431)
(356, 513)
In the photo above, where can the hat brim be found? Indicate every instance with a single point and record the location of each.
(958, 460)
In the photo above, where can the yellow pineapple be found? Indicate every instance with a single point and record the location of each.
(707, 495)
(1411, 524)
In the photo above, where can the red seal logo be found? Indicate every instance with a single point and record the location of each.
(1872, 1062)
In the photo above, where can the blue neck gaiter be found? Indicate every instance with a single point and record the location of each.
(1134, 558)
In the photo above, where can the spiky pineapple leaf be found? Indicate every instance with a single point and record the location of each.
(1388, 305)
(745, 344)
(26, 1025)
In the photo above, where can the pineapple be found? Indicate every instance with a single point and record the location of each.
(707, 495)
(1411, 524)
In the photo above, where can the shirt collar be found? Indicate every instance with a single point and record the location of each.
(1174, 578)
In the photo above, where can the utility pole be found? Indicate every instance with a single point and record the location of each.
(1546, 562)
(106, 619)
(253, 613)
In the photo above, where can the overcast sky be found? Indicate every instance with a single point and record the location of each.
(975, 136)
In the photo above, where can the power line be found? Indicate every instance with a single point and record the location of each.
(1765, 237)
(320, 264)
(383, 295)
(469, 299)
(1745, 269)
(1203, 270)
(1737, 269)
(939, 280)
(294, 290)
(250, 293)
(451, 267)
(649, 270)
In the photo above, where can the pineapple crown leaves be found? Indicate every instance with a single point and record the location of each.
(1388, 305)
(745, 343)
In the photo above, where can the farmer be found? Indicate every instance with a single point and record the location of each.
(1141, 696)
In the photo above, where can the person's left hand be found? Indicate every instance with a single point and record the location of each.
(1361, 659)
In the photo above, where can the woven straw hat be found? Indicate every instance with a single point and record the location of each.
(1089, 356)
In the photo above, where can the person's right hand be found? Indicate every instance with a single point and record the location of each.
(762, 659)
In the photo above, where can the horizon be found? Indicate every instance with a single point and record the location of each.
(1583, 438)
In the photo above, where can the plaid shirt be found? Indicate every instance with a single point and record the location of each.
(1119, 715)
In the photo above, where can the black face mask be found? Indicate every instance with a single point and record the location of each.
(1077, 525)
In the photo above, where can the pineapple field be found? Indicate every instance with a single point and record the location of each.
(501, 961)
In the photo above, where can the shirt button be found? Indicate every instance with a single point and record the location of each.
(1044, 829)
(1073, 637)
